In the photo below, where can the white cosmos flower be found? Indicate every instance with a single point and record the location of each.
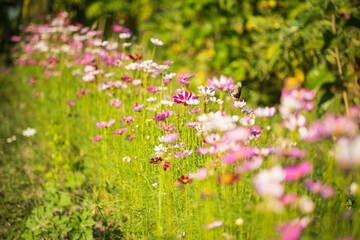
(29, 132)
(88, 78)
(169, 76)
(11, 139)
(156, 41)
(207, 91)
(165, 102)
(124, 35)
(124, 45)
(219, 101)
(192, 101)
(151, 99)
(160, 150)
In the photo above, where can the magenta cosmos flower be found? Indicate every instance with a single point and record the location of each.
(127, 119)
(116, 28)
(295, 172)
(130, 137)
(119, 131)
(105, 124)
(167, 128)
(97, 138)
(182, 97)
(138, 108)
(184, 77)
(153, 89)
(164, 114)
(224, 83)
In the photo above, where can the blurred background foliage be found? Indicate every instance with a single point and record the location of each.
(268, 44)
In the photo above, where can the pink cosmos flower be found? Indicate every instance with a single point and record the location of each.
(136, 82)
(213, 138)
(168, 62)
(105, 124)
(164, 114)
(97, 138)
(167, 128)
(181, 98)
(130, 137)
(292, 230)
(138, 108)
(238, 155)
(116, 28)
(192, 124)
(295, 121)
(115, 102)
(119, 131)
(36, 94)
(82, 92)
(347, 152)
(127, 119)
(264, 152)
(250, 165)
(183, 78)
(295, 172)
(355, 112)
(237, 134)
(266, 112)
(71, 103)
(317, 187)
(291, 152)
(179, 145)
(182, 155)
(201, 174)
(336, 126)
(153, 89)
(192, 111)
(15, 38)
(255, 130)
(212, 225)
(166, 165)
(268, 182)
(288, 198)
(224, 83)
(170, 138)
(32, 80)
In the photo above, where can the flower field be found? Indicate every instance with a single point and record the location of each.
(101, 139)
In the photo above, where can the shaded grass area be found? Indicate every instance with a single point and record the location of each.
(21, 175)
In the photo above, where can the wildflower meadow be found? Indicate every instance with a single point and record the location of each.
(105, 137)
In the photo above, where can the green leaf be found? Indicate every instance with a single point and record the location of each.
(318, 76)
